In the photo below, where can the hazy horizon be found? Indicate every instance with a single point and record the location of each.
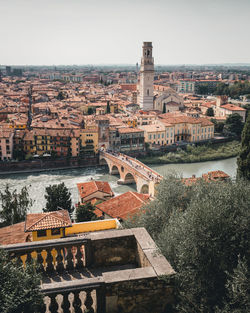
(111, 32)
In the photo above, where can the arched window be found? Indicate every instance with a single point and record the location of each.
(148, 92)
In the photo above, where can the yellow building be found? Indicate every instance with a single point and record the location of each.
(158, 134)
(113, 107)
(57, 224)
(89, 140)
(186, 128)
(44, 226)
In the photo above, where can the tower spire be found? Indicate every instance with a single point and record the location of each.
(147, 78)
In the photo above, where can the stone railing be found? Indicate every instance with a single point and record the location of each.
(121, 274)
(57, 255)
(79, 296)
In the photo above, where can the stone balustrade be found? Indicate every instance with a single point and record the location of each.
(84, 295)
(109, 271)
(53, 256)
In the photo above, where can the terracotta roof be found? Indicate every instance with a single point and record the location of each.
(13, 234)
(125, 130)
(86, 189)
(215, 175)
(55, 219)
(232, 107)
(123, 205)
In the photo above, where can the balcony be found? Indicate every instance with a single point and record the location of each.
(106, 271)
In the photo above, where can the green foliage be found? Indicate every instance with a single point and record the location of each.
(201, 230)
(205, 89)
(234, 91)
(14, 205)
(90, 111)
(85, 213)
(108, 108)
(244, 156)
(234, 124)
(210, 112)
(200, 153)
(58, 197)
(218, 126)
(237, 297)
(61, 95)
(164, 108)
(20, 291)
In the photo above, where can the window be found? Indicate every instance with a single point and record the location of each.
(55, 231)
(150, 136)
(42, 233)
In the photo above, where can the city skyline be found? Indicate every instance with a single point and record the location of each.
(111, 32)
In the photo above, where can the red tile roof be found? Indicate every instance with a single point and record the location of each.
(13, 234)
(56, 219)
(123, 205)
(86, 189)
(232, 107)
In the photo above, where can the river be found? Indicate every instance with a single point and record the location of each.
(37, 182)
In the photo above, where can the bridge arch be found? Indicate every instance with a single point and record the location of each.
(145, 189)
(129, 179)
(115, 170)
(103, 161)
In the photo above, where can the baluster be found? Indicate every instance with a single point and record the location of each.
(89, 301)
(49, 260)
(53, 304)
(19, 261)
(66, 303)
(40, 261)
(77, 302)
(29, 258)
(59, 261)
(69, 258)
(79, 256)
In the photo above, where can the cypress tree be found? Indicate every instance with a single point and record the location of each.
(244, 156)
(164, 108)
(108, 108)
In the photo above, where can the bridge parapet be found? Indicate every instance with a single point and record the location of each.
(132, 171)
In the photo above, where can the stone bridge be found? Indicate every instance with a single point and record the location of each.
(131, 171)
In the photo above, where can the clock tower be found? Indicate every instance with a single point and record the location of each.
(146, 89)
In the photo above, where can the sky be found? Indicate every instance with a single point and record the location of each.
(66, 32)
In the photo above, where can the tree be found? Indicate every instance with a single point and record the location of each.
(218, 126)
(201, 230)
(61, 95)
(234, 124)
(243, 160)
(14, 205)
(85, 213)
(237, 298)
(90, 111)
(58, 197)
(108, 108)
(164, 108)
(210, 112)
(20, 291)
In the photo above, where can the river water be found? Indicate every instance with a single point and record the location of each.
(37, 182)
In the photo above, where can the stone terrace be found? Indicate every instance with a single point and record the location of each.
(109, 271)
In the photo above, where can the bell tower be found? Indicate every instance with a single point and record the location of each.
(146, 97)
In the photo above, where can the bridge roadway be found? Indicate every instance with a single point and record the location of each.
(131, 171)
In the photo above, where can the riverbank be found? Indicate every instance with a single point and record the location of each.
(42, 165)
(193, 154)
